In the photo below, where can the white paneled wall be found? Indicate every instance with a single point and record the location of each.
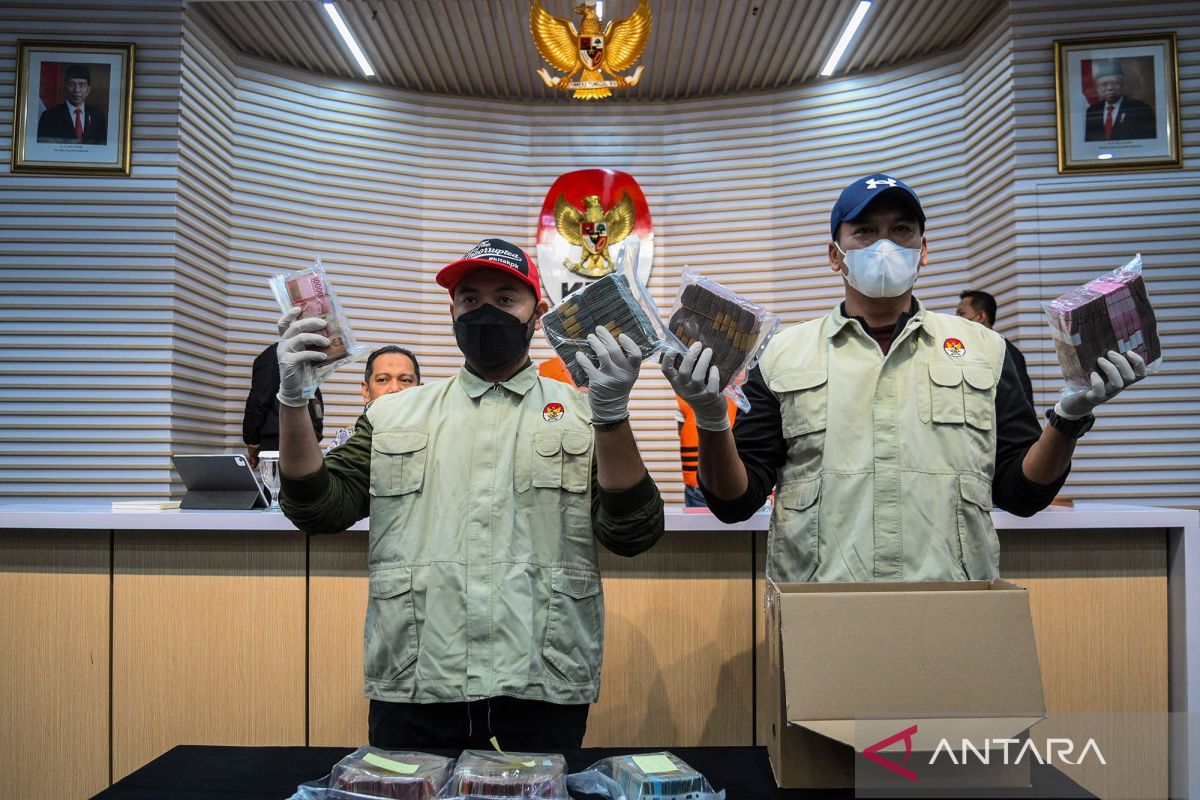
(88, 280)
(275, 166)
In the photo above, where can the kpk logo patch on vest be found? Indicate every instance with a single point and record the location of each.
(552, 412)
(954, 348)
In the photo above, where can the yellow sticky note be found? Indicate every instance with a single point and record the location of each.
(389, 764)
(655, 763)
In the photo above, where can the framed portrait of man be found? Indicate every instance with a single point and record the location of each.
(73, 109)
(1118, 103)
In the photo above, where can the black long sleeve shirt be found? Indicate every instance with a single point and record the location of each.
(763, 450)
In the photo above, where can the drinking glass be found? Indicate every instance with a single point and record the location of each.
(268, 468)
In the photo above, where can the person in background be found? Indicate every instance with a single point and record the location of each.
(260, 420)
(979, 306)
(487, 494)
(390, 369)
(890, 430)
(689, 450)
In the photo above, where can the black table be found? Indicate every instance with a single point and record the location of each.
(192, 772)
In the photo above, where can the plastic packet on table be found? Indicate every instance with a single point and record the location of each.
(311, 290)
(645, 776)
(1110, 312)
(370, 773)
(484, 774)
(736, 329)
(618, 301)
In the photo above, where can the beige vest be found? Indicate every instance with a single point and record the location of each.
(483, 572)
(889, 458)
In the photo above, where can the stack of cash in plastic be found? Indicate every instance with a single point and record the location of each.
(371, 772)
(657, 775)
(608, 302)
(483, 775)
(309, 291)
(718, 320)
(1112, 312)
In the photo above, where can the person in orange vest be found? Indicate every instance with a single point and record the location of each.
(555, 369)
(689, 450)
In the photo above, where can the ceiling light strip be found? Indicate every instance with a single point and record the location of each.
(851, 28)
(348, 37)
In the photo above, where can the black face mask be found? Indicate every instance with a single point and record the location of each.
(490, 337)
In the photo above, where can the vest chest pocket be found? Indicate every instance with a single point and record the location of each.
(959, 395)
(398, 462)
(391, 644)
(802, 400)
(559, 460)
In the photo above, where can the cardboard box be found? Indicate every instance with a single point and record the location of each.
(854, 665)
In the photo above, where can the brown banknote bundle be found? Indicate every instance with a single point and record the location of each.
(1112, 312)
(371, 772)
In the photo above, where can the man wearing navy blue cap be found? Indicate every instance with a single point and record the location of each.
(887, 431)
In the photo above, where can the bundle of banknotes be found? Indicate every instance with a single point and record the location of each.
(1112, 312)
(308, 290)
(609, 303)
(709, 313)
(657, 776)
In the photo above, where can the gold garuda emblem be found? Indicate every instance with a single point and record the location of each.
(594, 51)
(595, 230)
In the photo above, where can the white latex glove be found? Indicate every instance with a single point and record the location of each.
(610, 383)
(1119, 372)
(700, 385)
(295, 359)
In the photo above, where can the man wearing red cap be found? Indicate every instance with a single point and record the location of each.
(888, 431)
(486, 495)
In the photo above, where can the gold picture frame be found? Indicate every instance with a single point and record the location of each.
(73, 112)
(1117, 100)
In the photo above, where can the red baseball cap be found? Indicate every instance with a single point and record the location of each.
(495, 254)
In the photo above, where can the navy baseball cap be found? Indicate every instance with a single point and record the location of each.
(855, 198)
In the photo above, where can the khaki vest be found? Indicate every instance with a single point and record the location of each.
(483, 572)
(889, 458)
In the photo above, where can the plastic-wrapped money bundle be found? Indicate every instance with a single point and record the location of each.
(1111, 312)
(646, 776)
(311, 290)
(484, 775)
(609, 302)
(736, 329)
(371, 772)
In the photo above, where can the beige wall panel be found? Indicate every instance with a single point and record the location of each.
(337, 603)
(54, 624)
(1099, 603)
(208, 642)
(678, 665)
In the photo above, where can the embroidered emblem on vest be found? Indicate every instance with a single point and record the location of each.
(954, 348)
(552, 412)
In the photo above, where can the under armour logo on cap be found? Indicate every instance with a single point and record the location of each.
(855, 198)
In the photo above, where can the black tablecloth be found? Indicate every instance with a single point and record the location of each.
(193, 772)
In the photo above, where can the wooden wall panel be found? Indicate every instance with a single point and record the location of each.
(208, 642)
(337, 609)
(54, 658)
(1099, 604)
(678, 662)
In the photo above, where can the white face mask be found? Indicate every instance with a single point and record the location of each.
(885, 269)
